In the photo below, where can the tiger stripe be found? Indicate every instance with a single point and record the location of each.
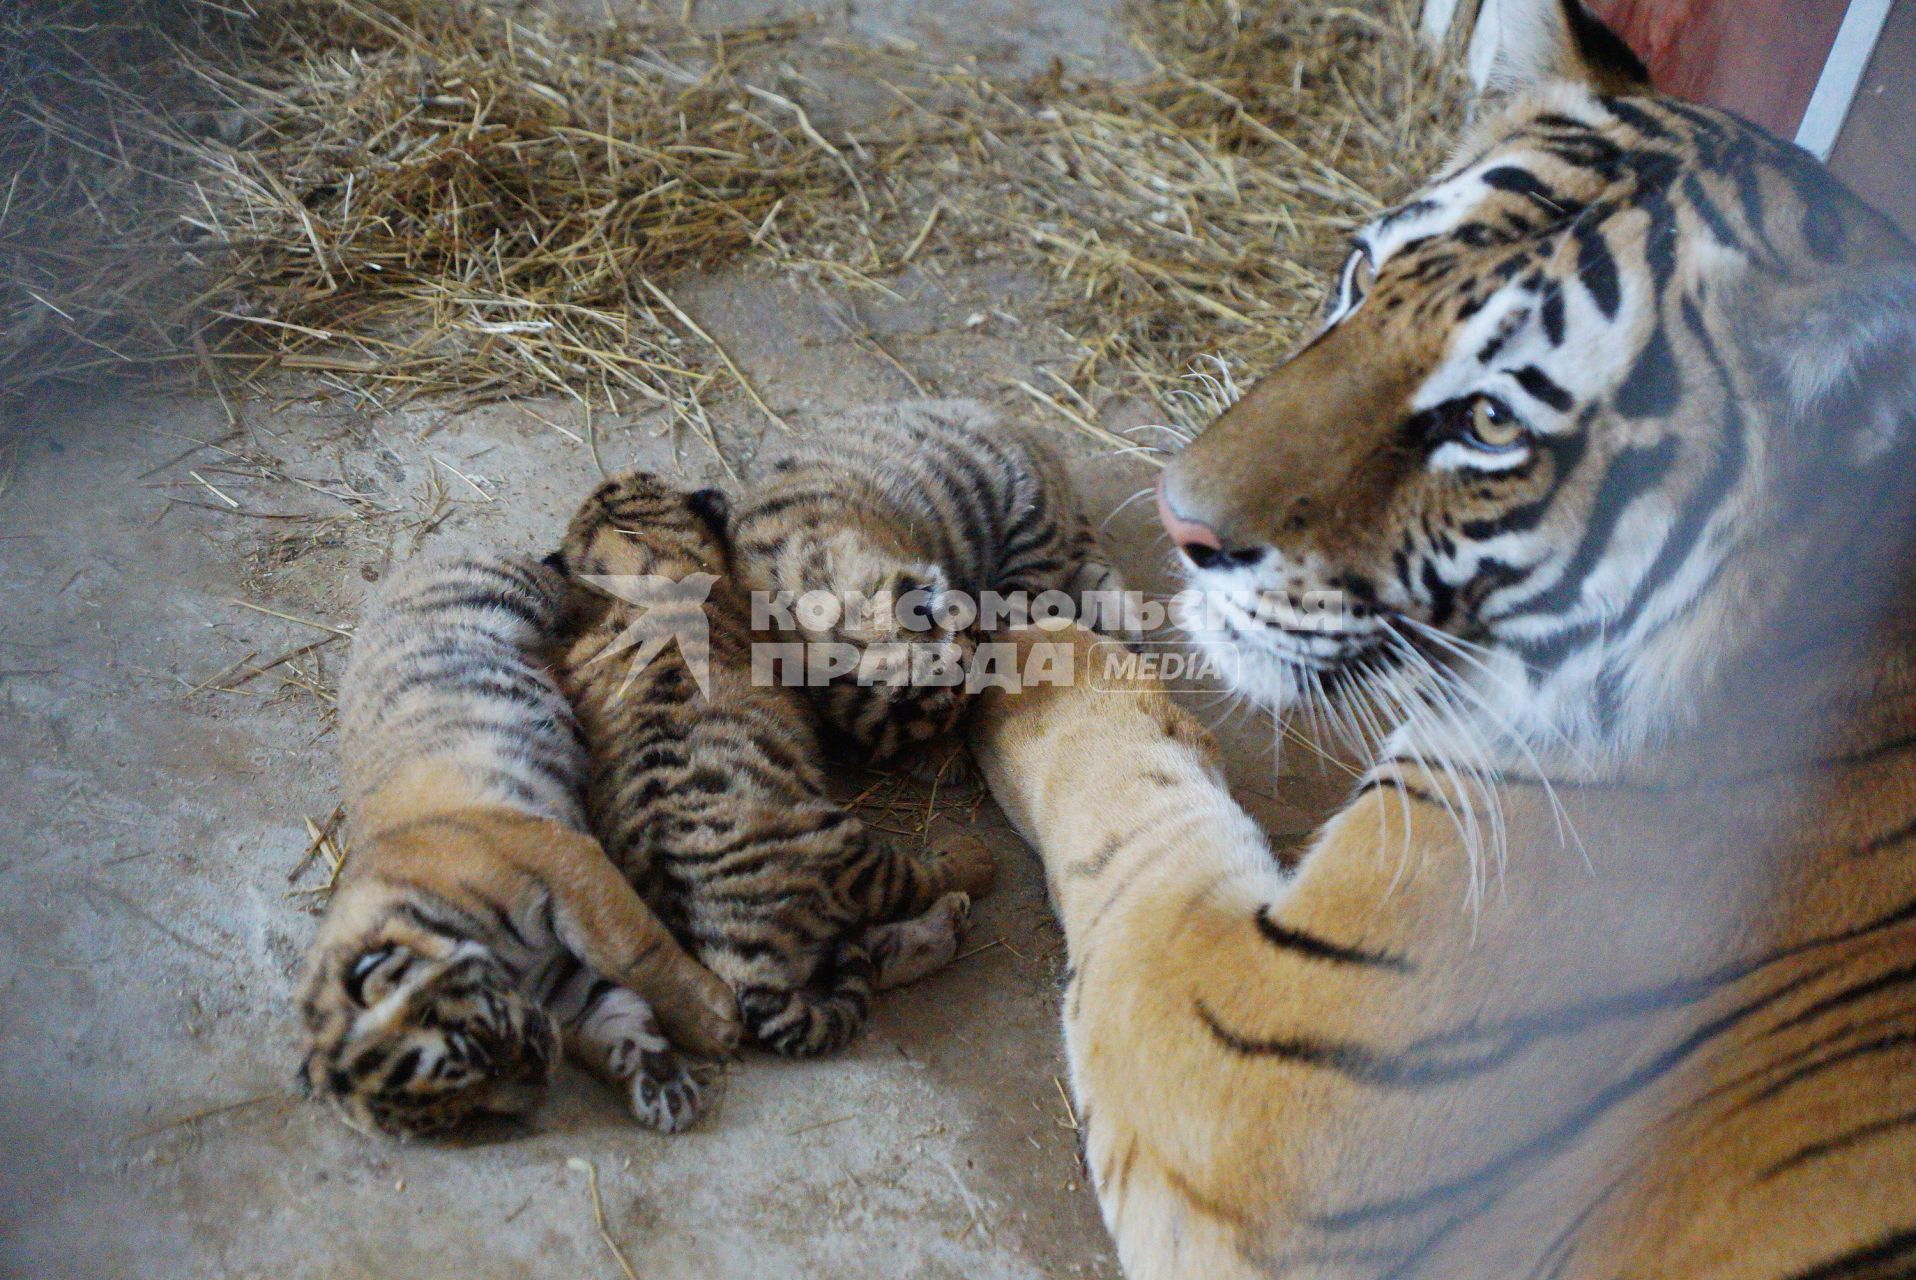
(1608, 450)
(920, 498)
(1254, 1051)
(713, 804)
(457, 952)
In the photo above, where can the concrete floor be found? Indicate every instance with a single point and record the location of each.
(151, 832)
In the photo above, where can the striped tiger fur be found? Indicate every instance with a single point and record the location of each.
(475, 927)
(910, 503)
(1693, 1055)
(1607, 440)
(706, 791)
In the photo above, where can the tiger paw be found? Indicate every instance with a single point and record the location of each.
(969, 863)
(910, 949)
(698, 1009)
(1105, 603)
(945, 763)
(666, 1093)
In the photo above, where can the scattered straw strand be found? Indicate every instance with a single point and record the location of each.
(591, 1171)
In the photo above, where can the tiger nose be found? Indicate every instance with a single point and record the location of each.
(1202, 545)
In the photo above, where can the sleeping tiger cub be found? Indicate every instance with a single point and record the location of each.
(910, 503)
(475, 922)
(705, 791)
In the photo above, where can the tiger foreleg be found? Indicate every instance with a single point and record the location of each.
(1104, 601)
(893, 885)
(607, 926)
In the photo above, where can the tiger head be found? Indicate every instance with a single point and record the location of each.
(1579, 419)
(894, 637)
(891, 614)
(410, 1030)
(638, 524)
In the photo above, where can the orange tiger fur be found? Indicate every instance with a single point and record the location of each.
(1606, 446)
(1693, 1055)
(474, 921)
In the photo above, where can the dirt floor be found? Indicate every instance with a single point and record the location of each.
(155, 897)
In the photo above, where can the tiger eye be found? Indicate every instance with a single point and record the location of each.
(1493, 425)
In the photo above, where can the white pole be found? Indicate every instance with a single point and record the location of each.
(1842, 74)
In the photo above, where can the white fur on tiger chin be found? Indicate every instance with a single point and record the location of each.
(1465, 715)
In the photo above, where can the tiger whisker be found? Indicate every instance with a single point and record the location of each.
(1178, 434)
(1146, 451)
(1462, 649)
(1443, 797)
(1455, 769)
(1478, 765)
(1566, 829)
(1120, 509)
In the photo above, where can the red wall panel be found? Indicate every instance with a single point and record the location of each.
(1758, 58)
(1762, 59)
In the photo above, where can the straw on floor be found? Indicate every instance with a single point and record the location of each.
(1190, 219)
(442, 197)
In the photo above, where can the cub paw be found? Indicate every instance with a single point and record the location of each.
(1106, 585)
(908, 950)
(970, 864)
(945, 763)
(666, 1093)
(698, 1009)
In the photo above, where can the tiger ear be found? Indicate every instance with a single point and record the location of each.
(918, 592)
(927, 578)
(715, 509)
(303, 1078)
(1518, 44)
(1844, 352)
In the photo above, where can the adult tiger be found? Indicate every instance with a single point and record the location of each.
(1609, 967)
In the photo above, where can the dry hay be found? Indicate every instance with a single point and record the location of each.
(440, 197)
(562, 171)
(91, 280)
(1194, 215)
(413, 196)
(437, 196)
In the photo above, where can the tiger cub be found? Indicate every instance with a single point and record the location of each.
(923, 504)
(475, 921)
(705, 791)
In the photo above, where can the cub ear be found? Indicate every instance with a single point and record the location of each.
(928, 577)
(303, 1078)
(1518, 44)
(918, 592)
(1844, 354)
(714, 508)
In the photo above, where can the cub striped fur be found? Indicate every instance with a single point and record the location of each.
(707, 795)
(475, 922)
(910, 503)
(443, 659)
